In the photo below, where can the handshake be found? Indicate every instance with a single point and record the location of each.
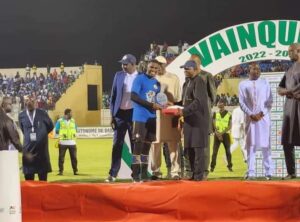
(157, 106)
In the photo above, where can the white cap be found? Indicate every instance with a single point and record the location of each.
(161, 59)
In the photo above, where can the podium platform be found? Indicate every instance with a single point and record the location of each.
(166, 128)
(161, 201)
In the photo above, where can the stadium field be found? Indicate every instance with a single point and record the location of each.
(94, 156)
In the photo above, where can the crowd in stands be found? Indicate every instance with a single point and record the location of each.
(46, 88)
(169, 52)
(242, 70)
(229, 100)
(105, 100)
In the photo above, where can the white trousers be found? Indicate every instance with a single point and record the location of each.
(236, 143)
(156, 158)
(267, 161)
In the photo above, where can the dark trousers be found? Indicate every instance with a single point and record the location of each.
(42, 176)
(186, 163)
(289, 154)
(73, 156)
(123, 123)
(196, 157)
(140, 160)
(226, 143)
(166, 154)
(207, 156)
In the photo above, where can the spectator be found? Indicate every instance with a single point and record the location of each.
(35, 125)
(185, 46)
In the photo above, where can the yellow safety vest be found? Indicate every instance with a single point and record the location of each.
(67, 131)
(222, 123)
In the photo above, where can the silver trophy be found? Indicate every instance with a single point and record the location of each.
(161, 97)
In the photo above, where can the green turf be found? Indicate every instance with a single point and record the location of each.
(94, 157)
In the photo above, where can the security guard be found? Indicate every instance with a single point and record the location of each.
(221, 126)
(66, 128)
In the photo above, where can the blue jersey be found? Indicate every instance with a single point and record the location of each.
(146, 88)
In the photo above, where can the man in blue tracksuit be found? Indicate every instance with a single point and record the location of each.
(143, 94)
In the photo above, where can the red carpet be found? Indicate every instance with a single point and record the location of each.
(162, 201)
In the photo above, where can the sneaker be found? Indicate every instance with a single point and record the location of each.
(75, 173)
(110, 179)
(137, 181)
(289, 177)
(268, 177)
(250, 178)
(230, 169)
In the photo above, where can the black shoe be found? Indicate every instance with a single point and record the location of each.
(153, 177)
(289, 177)
(230, 169)
(212, 169)
(198, 179)
(60, 174)
(176, 177)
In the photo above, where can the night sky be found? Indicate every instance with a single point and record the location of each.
(45, 32)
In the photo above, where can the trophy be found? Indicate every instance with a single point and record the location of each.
(161, 97)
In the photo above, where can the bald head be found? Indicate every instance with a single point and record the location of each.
(294, 52)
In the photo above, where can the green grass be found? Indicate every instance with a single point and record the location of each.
(94, 157)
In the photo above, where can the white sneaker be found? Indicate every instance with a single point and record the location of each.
(268, 177)
(110, 179)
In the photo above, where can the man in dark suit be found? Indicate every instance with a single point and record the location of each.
(35, 125)
(211, 99)
(121, 111)
(196, 119)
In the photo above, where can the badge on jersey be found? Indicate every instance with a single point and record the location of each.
(150, 96)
